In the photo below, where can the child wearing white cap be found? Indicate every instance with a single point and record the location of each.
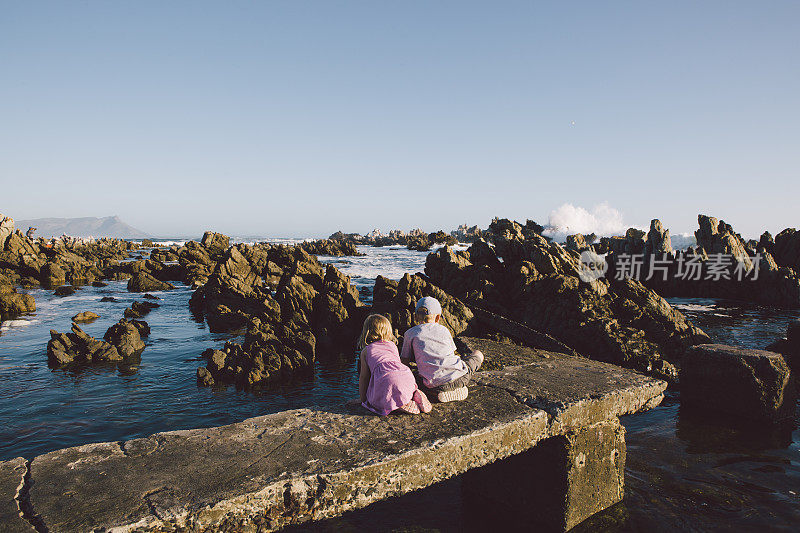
(431, 345)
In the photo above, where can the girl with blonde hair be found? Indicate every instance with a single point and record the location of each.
(385, 384)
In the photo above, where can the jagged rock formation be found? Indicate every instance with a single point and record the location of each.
(658, 239)
(724, 265)
(146, 282)
(536, 282)
(415, 239)
(336, 248)
(291, 306)
(786, 249)
(123, 341)
(465, 233)
(13, 303)
(397, 300)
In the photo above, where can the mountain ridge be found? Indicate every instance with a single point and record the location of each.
(111, 226)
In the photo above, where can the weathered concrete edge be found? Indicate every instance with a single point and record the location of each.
(13, 475)
(360, 486)
(596, 408)
(281, 500)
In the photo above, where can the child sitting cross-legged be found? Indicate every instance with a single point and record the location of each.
(431, 345)
(385, 384)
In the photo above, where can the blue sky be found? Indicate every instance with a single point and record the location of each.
(300, 118)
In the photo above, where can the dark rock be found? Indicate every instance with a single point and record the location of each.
(577, 243)
(142, 327)
(310, 307)
(336, 248)
(144, 282)
(52, 275)
(150, 297)
(397, 301)
(139, 309)
(108, 299)
(99, 284)
(752, 386)
(215, 243)
(537, 284)
(126, 337)
(65, 290)
(658, 239)
(465, 233)
(6, 230)
(86, 316)
(78, 347)
(12, 303)
(723, 266)
(787, 249)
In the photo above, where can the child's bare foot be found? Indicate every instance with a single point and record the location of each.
(410, 408)
(422, 401)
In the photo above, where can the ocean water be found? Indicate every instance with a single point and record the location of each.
(681, 473)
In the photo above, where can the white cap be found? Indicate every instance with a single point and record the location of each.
(431, 304)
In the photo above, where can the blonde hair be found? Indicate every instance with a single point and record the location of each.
(376, 328)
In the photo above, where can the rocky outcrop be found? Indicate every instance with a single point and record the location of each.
(86, 316)
(465, 233)
(13, 303)
(215, 244)
(658, 239)
(139, 309)
(415, 239)
(535, 282)
(789, 347)
(750, 386)
(336, 248)
(126, 337)
(786, 249)
(145, 282)
(576, 243)
(78, 347)
(122, 342)
(397, 301)
(723, 266)
(291, 306)
(6, 229)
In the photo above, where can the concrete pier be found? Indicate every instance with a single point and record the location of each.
(556, 415)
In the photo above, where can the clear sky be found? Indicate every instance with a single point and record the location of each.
(300, 118)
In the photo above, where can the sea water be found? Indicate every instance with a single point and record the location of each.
(681, 472)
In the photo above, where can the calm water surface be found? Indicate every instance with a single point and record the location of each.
(681, 473)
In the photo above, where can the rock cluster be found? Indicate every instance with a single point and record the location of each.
(415, 239)
(336, 248)
(13, 303)
(291, 306)
(765, 280)
(122, 341)
(524, 277)
(397, 300)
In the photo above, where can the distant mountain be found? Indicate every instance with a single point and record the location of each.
(81, 227)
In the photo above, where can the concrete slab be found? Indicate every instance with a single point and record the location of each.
(307, 464)
(11, 482)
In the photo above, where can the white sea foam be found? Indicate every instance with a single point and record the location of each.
(17, 323)
(568, 219)
(695, 307)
